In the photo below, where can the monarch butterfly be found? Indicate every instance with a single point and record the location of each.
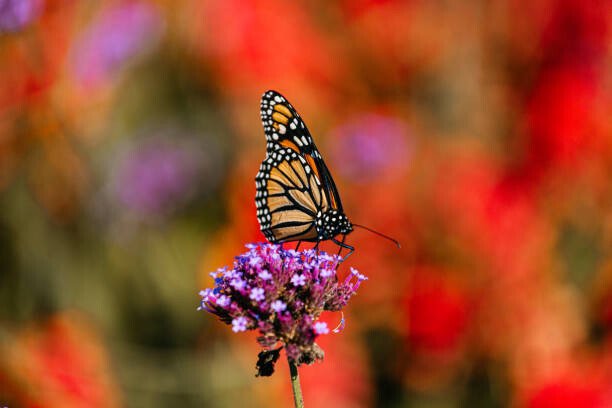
(296, 198)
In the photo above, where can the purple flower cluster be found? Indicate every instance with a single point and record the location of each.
(281, 293)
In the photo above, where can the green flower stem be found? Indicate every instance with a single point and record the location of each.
(298, 400)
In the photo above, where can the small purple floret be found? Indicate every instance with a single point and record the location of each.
(238, 283)
(257, 294)
(321, 328)
(281, 293)
(298, 280)
(239, 324)
(223, 301)
(265, 275)
(359, 276)
(278, 306)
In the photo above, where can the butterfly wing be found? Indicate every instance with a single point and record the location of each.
(289, 196)
(284, 128)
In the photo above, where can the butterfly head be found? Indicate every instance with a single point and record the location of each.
(331, 223)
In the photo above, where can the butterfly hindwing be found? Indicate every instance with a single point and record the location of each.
(288, 197)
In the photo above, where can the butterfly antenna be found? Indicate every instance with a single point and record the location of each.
(380, 234)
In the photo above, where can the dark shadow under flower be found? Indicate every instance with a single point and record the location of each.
(281, 293)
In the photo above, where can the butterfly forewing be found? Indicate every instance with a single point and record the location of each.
(283, 126)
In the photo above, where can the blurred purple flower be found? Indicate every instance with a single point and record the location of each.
(370, 145)
(118, 34)
(157, 177)
(16, 14)
(283, 312)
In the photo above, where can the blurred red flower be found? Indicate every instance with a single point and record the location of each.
(492, 215)
(342, 380)
(561, 107)
(438, 312)
(59, 364)
(31, 61)
(560, 119)
(575, 33)
(568, 392)
(254, 45)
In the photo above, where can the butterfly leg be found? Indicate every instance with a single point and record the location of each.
(282, 255)
(343, 245)
(298, 245)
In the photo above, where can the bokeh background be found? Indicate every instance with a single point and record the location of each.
(478, 133)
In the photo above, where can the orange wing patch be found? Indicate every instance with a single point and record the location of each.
(288, 143)
(285, 169)
(304, 233)
(281, 117)
(278, 117)
(313, 165)
(282, 109)
(280, 178)
(289, 216)
(294, 197)
(303, 199)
